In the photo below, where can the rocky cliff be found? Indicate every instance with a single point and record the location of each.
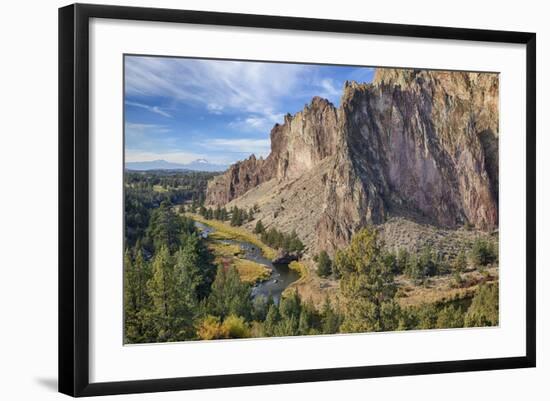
(414, 144)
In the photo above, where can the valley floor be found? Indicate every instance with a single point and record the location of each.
(439, 289)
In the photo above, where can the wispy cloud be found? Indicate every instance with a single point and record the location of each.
(257, 88)
(133, 128)
(259, 147)
(257, 123)
(152, 109)
(329, 88)
(214, 108)
(218, 109)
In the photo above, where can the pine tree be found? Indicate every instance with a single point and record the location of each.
(136, 300)
(367, 287)
(331, 320)
(229, 296)
(164, 228)
(304, 323)
(131, 309)
(324, 264)
(272, 320)
(460, 263)
(402, 260)
(161, 290)
(259, 229)
(484, 308)
(187, 279)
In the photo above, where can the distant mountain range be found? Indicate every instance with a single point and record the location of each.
(196, 165)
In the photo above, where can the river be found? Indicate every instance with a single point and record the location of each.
(281, 275)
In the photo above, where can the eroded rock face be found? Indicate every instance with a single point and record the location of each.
(297, 146)
(238, 179)
(416, 144)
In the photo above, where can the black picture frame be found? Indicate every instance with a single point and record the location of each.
(74, 198)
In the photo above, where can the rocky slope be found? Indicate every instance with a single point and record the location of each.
(415, 145)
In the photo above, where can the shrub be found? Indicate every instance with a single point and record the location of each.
(210, 328)
(235, 327)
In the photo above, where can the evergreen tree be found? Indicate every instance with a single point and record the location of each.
(460, 263)
(450, 317)
(229, 296)
(272, 320)
(187, 279)
(483, 253)
(136, 301)
(304, 323)
(131, 308)
(331, 320)
(324, 264)
(161, 290)
(427, 262)
(484, 308)
(164, 228)
(367, 286)
(259, 229)
(402, 260)
(198, 255)
(261, 305)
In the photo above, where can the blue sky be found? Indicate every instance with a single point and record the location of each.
(180, 110)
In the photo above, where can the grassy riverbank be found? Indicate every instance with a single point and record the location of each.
(226, 231)
(230, 254)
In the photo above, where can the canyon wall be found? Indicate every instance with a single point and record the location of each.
(422, 145)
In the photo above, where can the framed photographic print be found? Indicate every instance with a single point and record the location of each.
(249, 199)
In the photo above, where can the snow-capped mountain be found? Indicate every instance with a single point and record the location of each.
(195, 165)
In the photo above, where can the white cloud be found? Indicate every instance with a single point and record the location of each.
(256, 88)
(259, 147)
(138, 129)
(257, 123)
(214, 108)
(329, 88)
(152, 109)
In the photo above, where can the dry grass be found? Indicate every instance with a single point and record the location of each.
(225, 250)
(159, 188)
(442, 288)
(310, 286)
(228, 255)
(300, 268)
(251, 272)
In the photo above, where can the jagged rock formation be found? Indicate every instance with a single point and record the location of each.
(415, 144)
